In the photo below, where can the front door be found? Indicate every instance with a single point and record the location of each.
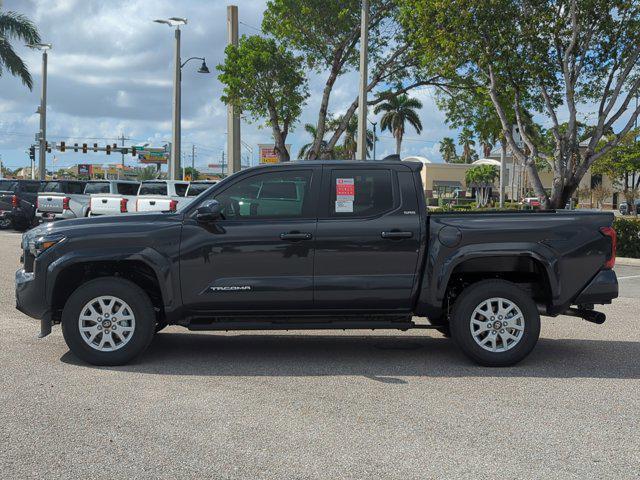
(368, 239)
(259, 255)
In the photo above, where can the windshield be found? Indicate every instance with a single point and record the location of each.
(153, 188)
(97, 187)
(51, 187)
(7, 185)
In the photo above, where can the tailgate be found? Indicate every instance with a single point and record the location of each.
(153, 204)
(106, 204)
(51, 202)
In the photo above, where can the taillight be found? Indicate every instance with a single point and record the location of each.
(173, 205)
(65, 203)
(123, 205)
(611, 233)
(15, 202)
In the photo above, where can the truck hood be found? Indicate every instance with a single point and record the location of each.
(98, 225)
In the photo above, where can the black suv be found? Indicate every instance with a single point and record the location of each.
(18, 202)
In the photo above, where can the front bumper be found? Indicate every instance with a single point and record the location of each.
(602, 289)
(30, 299)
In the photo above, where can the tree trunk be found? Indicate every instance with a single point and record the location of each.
(398, 142)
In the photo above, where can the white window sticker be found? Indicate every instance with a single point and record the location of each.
(344, 207)
(345, 190)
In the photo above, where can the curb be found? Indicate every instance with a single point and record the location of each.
(629, 262)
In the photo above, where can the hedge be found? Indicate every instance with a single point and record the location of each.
(628, 231)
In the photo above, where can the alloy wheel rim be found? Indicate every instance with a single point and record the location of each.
(106, 323)
(497, 324)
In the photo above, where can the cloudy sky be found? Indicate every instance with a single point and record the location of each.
(110, 73)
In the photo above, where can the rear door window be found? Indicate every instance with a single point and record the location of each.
(97, 187)
(31, 187)
(360, 193)
(53, 187)
(196, 189)
(181, 189)
(75, 187)
(8, 185)
(153, 188)
(128, 188)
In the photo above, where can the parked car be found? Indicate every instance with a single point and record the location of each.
(62, 199)
(115, 197)
(18, 202)
(629, 209)
(317, 245)
(531, 202)
(161, 195)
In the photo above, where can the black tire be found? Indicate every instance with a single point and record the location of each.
(464, 308)
(129, 292)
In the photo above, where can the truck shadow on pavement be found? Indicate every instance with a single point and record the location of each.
(382, 358)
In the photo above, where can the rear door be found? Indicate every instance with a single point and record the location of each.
(367, 240)
(259, 256)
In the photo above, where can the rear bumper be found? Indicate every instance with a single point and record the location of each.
(602, 289)
(52, 217)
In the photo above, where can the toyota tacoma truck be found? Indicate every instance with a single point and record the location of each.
(317, 245)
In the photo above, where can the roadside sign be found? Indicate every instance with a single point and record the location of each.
(267, 153)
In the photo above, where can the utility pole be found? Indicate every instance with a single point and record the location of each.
(122, 138)
(1, 175)
(193, 158)
(361, 151)
(233, 113)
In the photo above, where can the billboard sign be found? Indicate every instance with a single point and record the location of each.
(267, 153)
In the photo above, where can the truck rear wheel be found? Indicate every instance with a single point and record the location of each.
(108, 321)
(495, 323)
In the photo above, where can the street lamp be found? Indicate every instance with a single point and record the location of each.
(176, 22)
(42, 137)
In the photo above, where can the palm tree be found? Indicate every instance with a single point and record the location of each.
(399, 109)
(350, 143)
(465, 139)
(306, 149)
(448, 150)
(14, 26)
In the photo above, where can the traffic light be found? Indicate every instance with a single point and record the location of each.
(75, 147)
(108, 149)
(48, 147)
(62, 147)
(95, 147)
(84, 148)
(32, 153)
(133, 151)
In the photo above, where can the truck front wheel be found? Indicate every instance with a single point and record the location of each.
(495, 323)
(108, 321)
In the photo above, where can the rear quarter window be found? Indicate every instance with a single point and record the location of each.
(181, 189)
(30, 187)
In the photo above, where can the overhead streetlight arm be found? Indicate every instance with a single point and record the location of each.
(192, 58)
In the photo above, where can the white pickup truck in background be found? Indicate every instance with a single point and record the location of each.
(112, 197)
(62, 199)
(161, 195)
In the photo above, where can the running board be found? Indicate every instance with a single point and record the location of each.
(332, 325)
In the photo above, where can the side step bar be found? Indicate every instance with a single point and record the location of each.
(301, 325)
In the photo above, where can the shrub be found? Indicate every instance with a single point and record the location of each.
(628, 231)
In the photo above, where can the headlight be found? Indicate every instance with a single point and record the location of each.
(41, 244)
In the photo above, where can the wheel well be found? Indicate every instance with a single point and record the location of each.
(526, 272)
(75, 275)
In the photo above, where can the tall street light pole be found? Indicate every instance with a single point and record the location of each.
(233, 113)
(174, 159)
(42, 137)
(361, 150)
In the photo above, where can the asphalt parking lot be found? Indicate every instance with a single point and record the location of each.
(323, 404)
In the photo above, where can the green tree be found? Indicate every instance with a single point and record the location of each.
(327, 33)
(467, 142)
(193, 173)
(399, 110)
(148, 173)
(448, 150)
(349, 142)
(481, 177)
(14, 26)
(306, 148)
(547, 57)
(265, 80)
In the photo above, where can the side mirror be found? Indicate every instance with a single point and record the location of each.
(208, 212)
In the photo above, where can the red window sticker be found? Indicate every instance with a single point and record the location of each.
(345, 189)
